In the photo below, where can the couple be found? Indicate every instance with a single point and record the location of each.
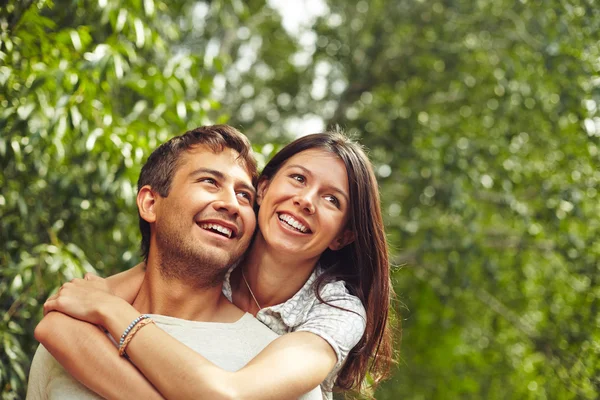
(316, 273)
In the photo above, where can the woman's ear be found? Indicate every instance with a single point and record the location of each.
(263, 185)
(146, 202)
(343, 240)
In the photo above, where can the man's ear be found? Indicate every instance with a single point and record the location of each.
(263, 185)
(146, 202)
(343, 240)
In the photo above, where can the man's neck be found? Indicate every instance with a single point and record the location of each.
(174, 298)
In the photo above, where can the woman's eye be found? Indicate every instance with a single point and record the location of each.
(333, 200)
(298, 178)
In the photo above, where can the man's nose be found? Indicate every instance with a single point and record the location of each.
(227, 202)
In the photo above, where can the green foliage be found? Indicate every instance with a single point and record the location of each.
(482, 121)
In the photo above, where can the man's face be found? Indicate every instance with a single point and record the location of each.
(207, 220)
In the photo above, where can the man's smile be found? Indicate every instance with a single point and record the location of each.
(221, 228)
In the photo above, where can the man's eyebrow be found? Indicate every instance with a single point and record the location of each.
(332, 187)
(249, 188)
(214, 172)
(222, 176)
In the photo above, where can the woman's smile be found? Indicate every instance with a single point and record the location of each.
(293, 223)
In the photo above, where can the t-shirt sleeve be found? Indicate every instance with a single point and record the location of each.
(39, 374)
(341, 328)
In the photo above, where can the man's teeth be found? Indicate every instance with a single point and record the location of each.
(292, 222)
(225, 231)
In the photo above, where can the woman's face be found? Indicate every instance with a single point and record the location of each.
(304, 207)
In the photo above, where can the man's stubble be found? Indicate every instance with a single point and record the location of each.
(182, 258)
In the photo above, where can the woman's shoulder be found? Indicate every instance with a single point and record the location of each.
(334, 300)
(336, 292)
(332, 293)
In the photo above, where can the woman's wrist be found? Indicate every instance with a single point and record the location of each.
(116, 315)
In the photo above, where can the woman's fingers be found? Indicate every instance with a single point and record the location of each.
(45, 307)
(49, 305)
(91, 277)
(92, 280)
(53, 297)
(89, 281)
(83, 299)
(79, 299)
(75, 297)
(54, 303)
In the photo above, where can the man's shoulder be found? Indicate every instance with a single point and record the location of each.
(250, 323)
(228, 345)
(49, 380)
(43, 366)
(246, 326)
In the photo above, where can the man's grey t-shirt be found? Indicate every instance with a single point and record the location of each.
(228, 345)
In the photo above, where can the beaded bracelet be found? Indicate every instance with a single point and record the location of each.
(142, 323)
(131, 325)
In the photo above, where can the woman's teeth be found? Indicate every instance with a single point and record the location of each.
(288, 219)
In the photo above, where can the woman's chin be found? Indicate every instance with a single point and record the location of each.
(295, 253)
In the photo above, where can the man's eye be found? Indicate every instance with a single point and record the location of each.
(210, 181)
(298, 178)
(246, 196)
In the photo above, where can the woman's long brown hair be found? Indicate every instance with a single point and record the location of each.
(363, 264)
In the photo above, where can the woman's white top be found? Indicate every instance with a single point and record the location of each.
(303, 312)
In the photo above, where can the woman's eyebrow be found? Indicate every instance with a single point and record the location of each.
(305, 170)
(340, 192)
(332, 187)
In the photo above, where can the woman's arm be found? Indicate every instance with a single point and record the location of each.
(125, 284)
(287, 368)
(89, 356)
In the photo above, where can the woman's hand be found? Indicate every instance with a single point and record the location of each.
(98, 282)
(88, 299)
(127, 284)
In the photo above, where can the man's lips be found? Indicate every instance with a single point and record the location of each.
(223, 228)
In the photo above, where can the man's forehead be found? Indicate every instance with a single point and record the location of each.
(227, 161)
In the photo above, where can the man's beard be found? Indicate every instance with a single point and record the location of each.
(193, 265)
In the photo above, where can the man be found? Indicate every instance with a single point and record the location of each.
(195, 201)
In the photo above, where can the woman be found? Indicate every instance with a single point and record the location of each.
(328, 180)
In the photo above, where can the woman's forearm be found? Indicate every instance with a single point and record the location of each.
(127, 284)
(90, 357)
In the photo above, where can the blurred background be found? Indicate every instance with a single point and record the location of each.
(481, 116)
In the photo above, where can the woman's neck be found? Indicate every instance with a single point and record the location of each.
(272, 277)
